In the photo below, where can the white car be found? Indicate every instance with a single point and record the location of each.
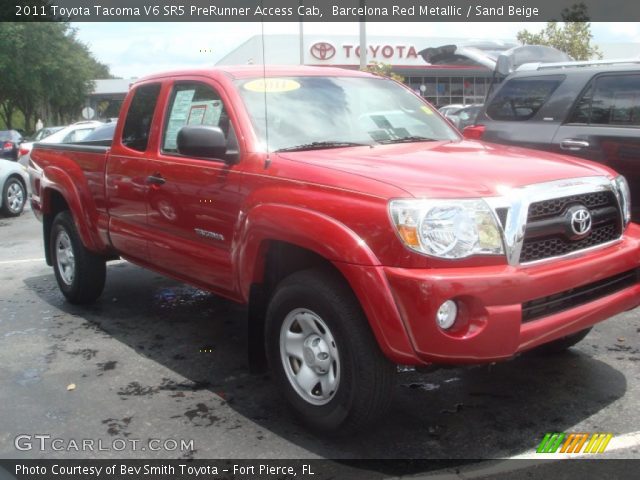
(448, 109)
(69, 134)
(13, 187)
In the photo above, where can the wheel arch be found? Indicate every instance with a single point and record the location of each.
(280, 240)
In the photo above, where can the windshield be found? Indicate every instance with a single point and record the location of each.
(45, 132)
(321, 112)
(72, 133)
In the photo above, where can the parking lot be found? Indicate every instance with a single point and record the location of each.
(155, 359)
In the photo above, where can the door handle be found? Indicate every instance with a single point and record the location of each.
(155, 180)
(573, 145)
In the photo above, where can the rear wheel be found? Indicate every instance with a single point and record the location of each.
(564, 343)
(324, 355)
(14, 197)
(80, 273)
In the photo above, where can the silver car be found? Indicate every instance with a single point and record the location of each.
(13, 187)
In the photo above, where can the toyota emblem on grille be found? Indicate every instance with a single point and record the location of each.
(581, 221)
(322, 50)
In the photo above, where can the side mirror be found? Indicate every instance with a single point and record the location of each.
(202, 141)
(503, 65)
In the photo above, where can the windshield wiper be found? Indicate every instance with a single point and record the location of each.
(322, 145)
(412, 138)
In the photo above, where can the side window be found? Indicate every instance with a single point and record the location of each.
(616, 101)
(521, 98)
(582, 112)
(193, 104)
(135, 134)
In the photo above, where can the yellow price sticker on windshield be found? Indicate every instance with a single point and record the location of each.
(271, 85)
(426, 110)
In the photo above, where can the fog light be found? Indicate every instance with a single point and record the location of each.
(446, 315)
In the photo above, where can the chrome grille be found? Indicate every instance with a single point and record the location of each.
(544, 237)
(555, 206)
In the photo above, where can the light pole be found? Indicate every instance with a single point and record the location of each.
(363, 38)
(301, 35)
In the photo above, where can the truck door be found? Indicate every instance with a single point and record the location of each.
(194, 203)
(604, 126)
(126, 174)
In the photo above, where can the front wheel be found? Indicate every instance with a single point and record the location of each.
(14, 196)
(324, 355)
(80, 273)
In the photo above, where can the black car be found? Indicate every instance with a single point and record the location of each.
(587, 109)
(10, 141)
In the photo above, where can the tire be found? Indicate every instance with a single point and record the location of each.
(14, 197)
(354, 379)
(564, 343)
(80, 273)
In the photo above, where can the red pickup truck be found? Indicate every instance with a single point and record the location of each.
(361, 229)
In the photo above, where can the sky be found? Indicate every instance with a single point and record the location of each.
(138, 49)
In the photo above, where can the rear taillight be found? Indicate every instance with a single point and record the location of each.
(23, 151)
(7, 146)
(473, 132)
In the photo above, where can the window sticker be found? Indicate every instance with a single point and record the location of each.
(205, 113)
(196, 115)
(178, 117)
(426, 110)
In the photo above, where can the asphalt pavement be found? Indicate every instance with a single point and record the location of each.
(156, 359)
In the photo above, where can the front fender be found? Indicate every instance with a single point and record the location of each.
(336, 243)
(298, 226)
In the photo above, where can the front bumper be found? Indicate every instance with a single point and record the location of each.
(490, 301)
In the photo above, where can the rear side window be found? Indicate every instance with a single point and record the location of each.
(611, 100)
(521, 98)
(135, 134)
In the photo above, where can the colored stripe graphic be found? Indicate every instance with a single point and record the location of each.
(598, 443)
(550, 443)
(573, 442)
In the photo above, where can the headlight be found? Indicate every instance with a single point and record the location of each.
(447, 228)
(624, 197)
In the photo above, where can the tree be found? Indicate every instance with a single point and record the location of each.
(384, 70)
(573, 36)
(46, 72)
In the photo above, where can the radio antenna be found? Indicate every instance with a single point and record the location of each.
(267, 160)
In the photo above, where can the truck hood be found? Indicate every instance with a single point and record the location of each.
(450, 169)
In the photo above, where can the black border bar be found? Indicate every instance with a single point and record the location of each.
(315, 469)
(316, 10)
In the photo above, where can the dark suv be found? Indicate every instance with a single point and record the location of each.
(10, 141)
(587, 109)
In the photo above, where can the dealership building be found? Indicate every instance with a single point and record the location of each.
(457, 80)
